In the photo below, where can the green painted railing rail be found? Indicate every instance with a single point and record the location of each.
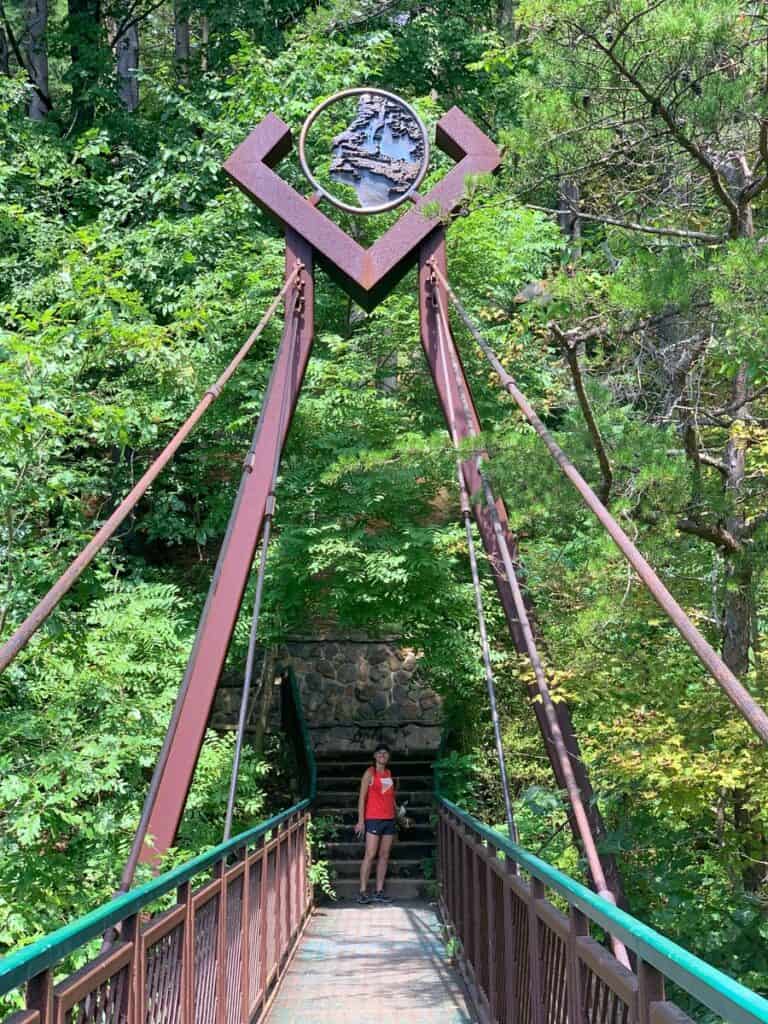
(50, 950)
(306, 741)
(726, 997)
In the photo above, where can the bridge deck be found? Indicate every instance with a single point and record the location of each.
(377, 963)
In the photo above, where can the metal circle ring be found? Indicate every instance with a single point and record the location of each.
(339, 203)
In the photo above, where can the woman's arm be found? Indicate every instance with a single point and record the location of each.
(360, 826)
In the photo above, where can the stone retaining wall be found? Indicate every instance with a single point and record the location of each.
(354, 692)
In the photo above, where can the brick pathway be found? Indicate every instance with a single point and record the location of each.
(377, 964)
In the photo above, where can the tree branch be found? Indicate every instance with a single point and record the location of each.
(757, 186)
(628, 225)
(569, 343)
(751, 525)
(132, 19)
(717, 535)
(708, 460)
(660, 109)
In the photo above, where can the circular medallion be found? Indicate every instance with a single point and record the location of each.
(364, 142)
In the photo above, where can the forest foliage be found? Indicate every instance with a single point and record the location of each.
(623, 245)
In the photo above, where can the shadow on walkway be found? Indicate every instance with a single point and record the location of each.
(360, 964)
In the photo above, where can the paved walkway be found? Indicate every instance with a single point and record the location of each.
(371, 965)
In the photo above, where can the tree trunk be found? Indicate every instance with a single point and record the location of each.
(181, 38)
(568, 217)
(127, 56)
(5, 62)
(36, 23)
(738, 602)
(84, 31)
(205, 35)
(507, 19)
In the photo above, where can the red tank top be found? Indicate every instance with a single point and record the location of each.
(380, 800)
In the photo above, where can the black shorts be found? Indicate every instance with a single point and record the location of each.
(380, 826)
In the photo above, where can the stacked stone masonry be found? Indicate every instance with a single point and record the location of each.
(354, 691)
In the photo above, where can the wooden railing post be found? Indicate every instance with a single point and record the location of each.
(511, 946)
(263, 965)
(478, 948)
(220, 872)
(183, 896)
(466, 893)
(492, 912)
(536, 892)
(245, 938)
(579, 926)
(278, 898)
(650, 989)
(40, 996)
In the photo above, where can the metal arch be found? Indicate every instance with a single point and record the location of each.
(339, 203)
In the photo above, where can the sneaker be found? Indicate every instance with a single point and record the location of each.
(363, 897)
(381, 897)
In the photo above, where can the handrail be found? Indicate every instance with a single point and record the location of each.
(44, 953)
(711, 987)
(309, 752)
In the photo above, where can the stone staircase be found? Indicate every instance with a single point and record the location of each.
(411, 862)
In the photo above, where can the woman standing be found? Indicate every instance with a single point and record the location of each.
(376, 818)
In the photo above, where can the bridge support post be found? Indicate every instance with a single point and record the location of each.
(178, 759)
(431, 338)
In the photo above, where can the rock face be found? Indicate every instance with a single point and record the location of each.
(381, 152)
(355, 692)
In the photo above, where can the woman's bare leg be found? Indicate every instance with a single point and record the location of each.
(371, 848)
(381, 866)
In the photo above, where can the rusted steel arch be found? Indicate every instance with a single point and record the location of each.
(367, 275)
(433, 254)
(230, 577)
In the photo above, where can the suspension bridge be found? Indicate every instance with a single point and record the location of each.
(234, 935)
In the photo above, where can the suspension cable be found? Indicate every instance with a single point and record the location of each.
(736, 692)
(37, 617)
(563, 757)
(490, 682)
(266, 532)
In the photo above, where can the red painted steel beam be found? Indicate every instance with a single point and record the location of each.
(434, 248)
(235, 558)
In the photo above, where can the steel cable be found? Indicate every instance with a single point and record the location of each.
(736, 692)
(253, 636)
(490, 680)
(68, 578)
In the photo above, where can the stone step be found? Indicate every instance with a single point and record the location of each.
(365, 760)
(336, 851)
(414, 834)
(396, 888)
(395, 868)
(355, 769)
(405, 783)
(347, 816)
(348, 798)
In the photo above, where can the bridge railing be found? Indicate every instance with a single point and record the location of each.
(215, 956)
(528, 962)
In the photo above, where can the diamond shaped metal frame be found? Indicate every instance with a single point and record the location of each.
(367, 275)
